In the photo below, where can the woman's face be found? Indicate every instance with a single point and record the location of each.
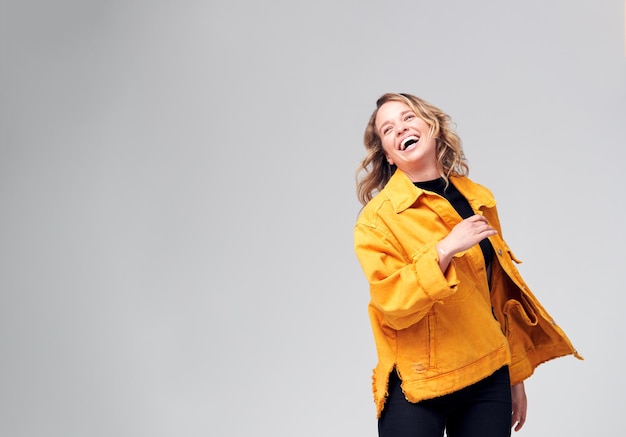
(406, 141)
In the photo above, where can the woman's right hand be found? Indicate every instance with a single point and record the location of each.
(466, 234)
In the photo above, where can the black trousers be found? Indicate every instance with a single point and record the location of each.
(480, 410)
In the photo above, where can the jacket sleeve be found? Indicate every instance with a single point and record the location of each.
(403, 285)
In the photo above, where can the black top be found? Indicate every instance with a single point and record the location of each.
(460, 203)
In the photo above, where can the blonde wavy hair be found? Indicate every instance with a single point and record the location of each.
(374, 171)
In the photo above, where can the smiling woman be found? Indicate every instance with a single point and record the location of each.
(404, 123)
(407, 140)
(456, 328)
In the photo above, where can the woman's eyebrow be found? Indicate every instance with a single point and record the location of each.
(385, 123)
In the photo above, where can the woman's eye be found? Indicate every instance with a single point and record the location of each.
(409, 117)
(386, 130)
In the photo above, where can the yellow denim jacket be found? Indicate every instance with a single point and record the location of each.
(445, 331)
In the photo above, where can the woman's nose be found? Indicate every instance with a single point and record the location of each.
(400, 128)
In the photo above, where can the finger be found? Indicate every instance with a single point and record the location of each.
(480, 222)
(518, 421)
(484, 228)
(521, 422)
(485, 222)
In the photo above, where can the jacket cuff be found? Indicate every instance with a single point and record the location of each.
(435, 283)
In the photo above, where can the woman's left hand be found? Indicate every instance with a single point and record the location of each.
(518, 415)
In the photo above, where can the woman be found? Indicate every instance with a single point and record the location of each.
(456, 328)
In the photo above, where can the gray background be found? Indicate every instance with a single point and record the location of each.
(177, 200)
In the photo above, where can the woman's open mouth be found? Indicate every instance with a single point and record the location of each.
(409, 141)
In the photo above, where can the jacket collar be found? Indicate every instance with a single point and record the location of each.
(402, 193)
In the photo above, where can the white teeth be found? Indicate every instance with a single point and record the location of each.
(408, 141)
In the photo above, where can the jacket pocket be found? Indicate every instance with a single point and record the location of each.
(522, 327)
(431, 340)
(416, 347)
(519, 314)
